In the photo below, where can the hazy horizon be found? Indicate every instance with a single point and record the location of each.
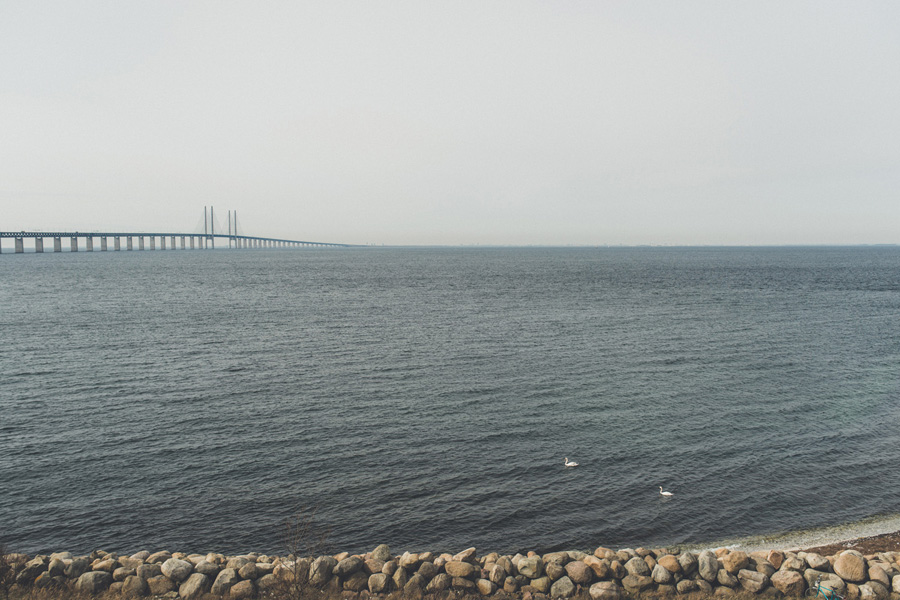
(456, 124)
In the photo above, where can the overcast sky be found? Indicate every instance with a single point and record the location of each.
(427, 122)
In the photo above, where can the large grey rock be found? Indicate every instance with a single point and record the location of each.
(876, 573)
(382, 552)
(356, 581)
(427, 570)
(542, 584)
(895, 583)
(459, 569)
(347, 567)
(554, 570)
(688, 562)
(148, 570)
(662, 575)
(817, 561)
(531, 567)
(873, 591)
(793, 563)
(851, 566)
(708, 565)
(135, 586)
(562, 588)
(415, 584)
(637, 583)
(224, 581)
(605, 590)
(207, 568)
(637, 566)
(485, 587)
(160, 585)
(440, 583)
(159, 557)
(789, 583)
(320, 571)
(726, 579)
(379, 583)
(242, 590)
(498, 574)
(560, 558)
(752, 581)
(78, 566)
(177, 570)
(56, 567)
(93, 582)
(829, 580)
(686, 586)
(579, 572)
(121, 573)
(267, 582)
(249, 571)
(194, 586)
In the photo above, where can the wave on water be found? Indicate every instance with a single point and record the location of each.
(807, 538)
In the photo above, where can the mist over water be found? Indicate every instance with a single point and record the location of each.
(426, 398)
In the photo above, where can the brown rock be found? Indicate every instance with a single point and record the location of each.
(599, 566)
(160, 585)
(579, 572)
(734, 561)
(456, 568)
(752, 581)
(194, 586)
(851, 566)
(636, 583)
(789, 583)
(605, 590)
(775, 557)
(242, 590)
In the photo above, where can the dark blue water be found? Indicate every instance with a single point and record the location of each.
(426, 398)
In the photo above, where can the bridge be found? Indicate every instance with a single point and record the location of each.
(122, 240)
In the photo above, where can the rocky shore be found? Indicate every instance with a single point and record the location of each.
(603, 574)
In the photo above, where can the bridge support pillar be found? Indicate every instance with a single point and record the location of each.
(103, 246)
(74, 244)
(57, 244)
(192, 242)
(173, 243)
(140, 242)
(89, 244)
(153, 242)
(162, 242)
(117, 243)
(182, 242)
(20, 245)
(39, 245)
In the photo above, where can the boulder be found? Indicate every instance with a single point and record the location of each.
(617, 569)
(409, 561)
(56, 567)
(462, 584)
(670, 563)
(605, 590)
(177, 570)
(224, 581)
(121, 573)
(600, 566)
(562, 588)
(686, 586)
(347, 567)
(817, 561)
(605, 553)
(321, 570)
(851, 566)
(497, 575)
(688, 562)
(662, 575)
(734, 561)
(401, 577)
(158, 557)
(873, 591)
(242, 590)
(829, 580)
(895, 584)
(554, 571)
(160, 585)
(752, 581)
(194, 586)
(789, 583)
(267, 582)
(531, 567)
(542, 584)
(93, 583)
(485, 587)
(876, 573)
(428, 570)
(559, 558)
(135, 586)
(148, 570)
(207, 568)
(415, 585)
(708, 565)
(637, 566)
(637, 583)
(379, 583)
(579, 572)
(456, 568)
(726, 579)
(775, 557)
(467, 555)
(440, 583)
(356, 581)
(793, 563)
(75, 568)
(382, 553)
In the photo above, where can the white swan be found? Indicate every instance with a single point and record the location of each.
(570, 463)
(662, 493)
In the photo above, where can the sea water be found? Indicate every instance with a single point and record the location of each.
(426, 397)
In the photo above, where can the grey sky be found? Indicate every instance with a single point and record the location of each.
(456, 122)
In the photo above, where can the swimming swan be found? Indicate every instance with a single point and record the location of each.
(570, 463)
(662, 493)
